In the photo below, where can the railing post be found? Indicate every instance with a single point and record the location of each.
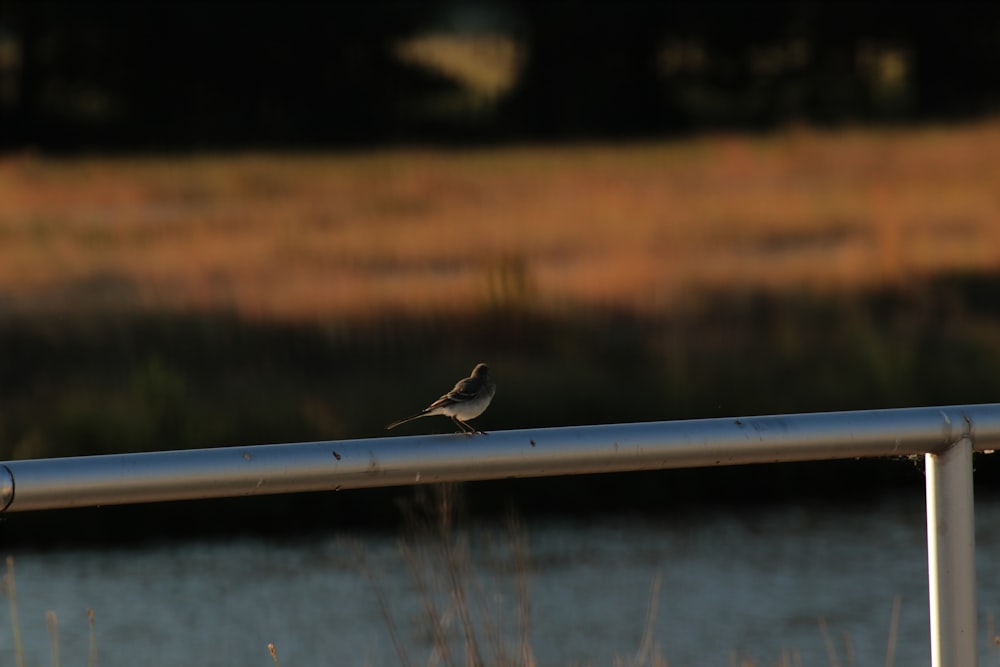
(951, 557)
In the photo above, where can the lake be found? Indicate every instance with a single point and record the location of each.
(731, 585)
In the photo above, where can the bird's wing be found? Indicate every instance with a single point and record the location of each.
(464, 390)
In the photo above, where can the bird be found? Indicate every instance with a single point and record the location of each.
(468, 399)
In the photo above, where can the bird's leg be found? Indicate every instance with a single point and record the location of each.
(472, 429)
(462, 425)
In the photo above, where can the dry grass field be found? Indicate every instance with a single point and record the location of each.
(641, 227)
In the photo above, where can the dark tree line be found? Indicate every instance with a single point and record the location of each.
(157, 74)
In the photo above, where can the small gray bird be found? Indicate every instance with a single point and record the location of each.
(467, 400)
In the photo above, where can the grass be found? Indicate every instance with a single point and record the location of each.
(466, 620)
(640, 227)
(9, 589)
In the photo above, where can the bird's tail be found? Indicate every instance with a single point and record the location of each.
(394, 424)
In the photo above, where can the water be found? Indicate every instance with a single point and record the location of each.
(739, 584)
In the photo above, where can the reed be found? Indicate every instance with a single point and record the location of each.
(91, 640)
(53, 625)
(10, 589)
(463, 622)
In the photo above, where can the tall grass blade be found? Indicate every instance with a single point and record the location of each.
(849, 650)
(521, 565)
(643, 656)
(11, 590)
(456, 555)
(424, 523)
(831, 650)
(53, 624)
(383, 604)
(92, 647)
(890, 651)
(456, 559)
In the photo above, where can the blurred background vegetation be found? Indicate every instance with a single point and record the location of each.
(159, 75)
(229, 223)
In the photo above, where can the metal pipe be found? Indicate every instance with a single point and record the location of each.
(946, 436)
(951, 556)
(332, 465)
(6, 487)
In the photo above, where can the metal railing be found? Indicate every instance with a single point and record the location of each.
(945, 436)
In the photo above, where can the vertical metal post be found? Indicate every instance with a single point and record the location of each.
(951, 557)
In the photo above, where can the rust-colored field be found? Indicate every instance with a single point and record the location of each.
(408, 230)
